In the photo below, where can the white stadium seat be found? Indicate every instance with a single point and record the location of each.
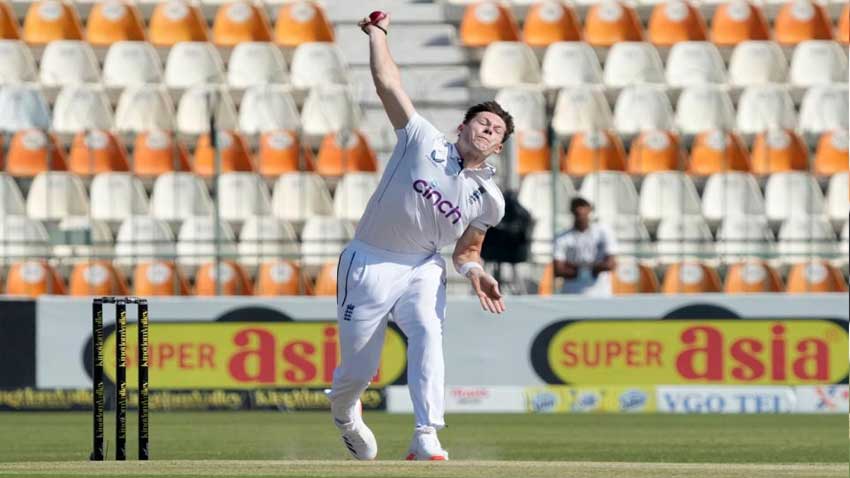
(115, 196)
(54, 195)
(196, 241)
(82, 237)
(22, 237)
(507, 64)
(824, 108)
(17, 64)
(570, 64)
(144, 108)
(11, 199)
(318, 63)
(526, 105)
(704, 107)
(256, 63)
(667, 194)
(328, 109)
(242, 195)
(193, 63)
(353, 193)
(632, 236)
(741, 236)
(131, 63)
(543, 236)
(378, 130)
(68, 62)
(582, 108)
(642, 107)
(81, 108)
(764, 107)
(323, 239)
(792, 193)
(612, 194)
(731, 193)
(757, 63)
(193, 110)
(177, 196)
(142, 239)
(23, 107)
(267, 108)
(684, 236)
(535, 194)
(298, 196)
(266, 237)
(632, 63)
(694, 63)
(818, 62)
(802, 236)
(838, 207)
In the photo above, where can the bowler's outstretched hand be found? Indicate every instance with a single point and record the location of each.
(487, 290)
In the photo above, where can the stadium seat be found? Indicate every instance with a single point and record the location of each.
(242, 195)
(51, 20)
(323, 239)
(684, 236)
(572, 63)
(801, 237)
(176, 21)
(353, 193)
(17, 64)
(581, 108)
(54, 195)
(23, 106)
(549, 22)
(612, 194)
(526, 105)
(156, 153)
(235, 155)
(302, 22)
(239, 22)
(318, 63)
(9, 29)
(96, 152)
(533, 152)
(81, 107)
(818, 62)
(32, 152)
(280, 152)
(115, 196)
(11, 199)
(535, 194)
(143, 239)
(159, 278)
(744, 236)
(667, 194)
(281, 277)
(129, 63)
(177, 196)
(328, 108)
(34, 278)
(96, 278)
(738, 21)
(82, 238)
(690, 277)
(702, 108)
(22, 238)
(763, 107)
(824, 108)
(790, 194)
(193, 63)
(631, 234)
(632, 63)
(842, 31)
(144, 107)
(591, 151)
(757, 63)
(731, 193)
(610, 22)
(831, 154)
(632, 277)
(837, 194)
(813, 277)
(487, 22)
(343, 152)
(266, 238)
(299, 196)
(256, 63)
(268, 108)
(113, 21)
(642, 107)
(196, 242)
(543, 235)
(655, 150)
(326, 280)
(546, 284)
(675, 21)
(507, 64)
(752, 277)
(694, 63)
(717, 151)
(777, 150)
(801, 20)
(234, 280)
(193, 110)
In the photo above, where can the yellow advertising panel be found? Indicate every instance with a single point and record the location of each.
(679, 352)
(246, 355)
(601, 399)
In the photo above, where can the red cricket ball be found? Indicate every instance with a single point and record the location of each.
(377, 16)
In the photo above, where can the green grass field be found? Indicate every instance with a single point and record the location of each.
(306, 445)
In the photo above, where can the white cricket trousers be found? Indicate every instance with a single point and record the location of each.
(371, 284)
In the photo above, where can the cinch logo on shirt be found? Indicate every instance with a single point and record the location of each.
(436, 198)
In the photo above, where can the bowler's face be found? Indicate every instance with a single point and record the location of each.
(484, 133)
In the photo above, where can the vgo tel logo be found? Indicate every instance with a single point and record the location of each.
(429, 192)
(725, 400)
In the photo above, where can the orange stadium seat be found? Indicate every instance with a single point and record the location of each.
(281, 277)
(32, 152)
(831, 155)
(690, 278)
(50, 20)
(159, 278)
(546, 285)
(97, 277)
(240, 22)
(737, 21)
(842, 30)
(234, 154)
(281, 152)
(800, 20)
(155, 152)
(302, 22)
(176, 21)
(716, 152)
(336, 159)
(34, 278)
(610, 22)
(815, 276)
(752, 277)
(655, 150)
(593, 151)
(675, 21)
(549, 22)
(632, 277)
(97, 152)
(326, 280)
(486, 22)
(533, 152)
(778, 150)
(112, 21)
(234, 279)
(9, 29)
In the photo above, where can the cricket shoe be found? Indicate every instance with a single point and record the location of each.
(358, 438)
(426, 446)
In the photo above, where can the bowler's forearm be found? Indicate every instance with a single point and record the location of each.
(385, 72)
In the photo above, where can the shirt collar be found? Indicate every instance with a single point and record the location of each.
(486, 170)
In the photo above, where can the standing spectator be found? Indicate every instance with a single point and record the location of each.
(583, 254)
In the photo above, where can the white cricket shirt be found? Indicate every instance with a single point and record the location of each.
(585, 247)
(426, 199)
